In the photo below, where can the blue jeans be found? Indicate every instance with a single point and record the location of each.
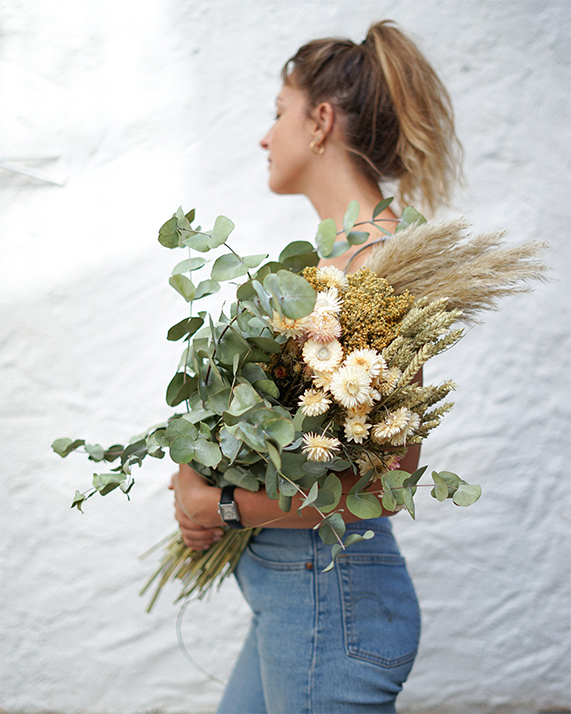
(341, 642)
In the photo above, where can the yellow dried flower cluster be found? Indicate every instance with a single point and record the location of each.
(371, 312)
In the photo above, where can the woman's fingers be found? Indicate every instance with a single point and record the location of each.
(200, 538)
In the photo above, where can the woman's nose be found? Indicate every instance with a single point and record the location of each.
(265, 142)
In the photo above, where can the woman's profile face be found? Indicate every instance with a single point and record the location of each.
(288, 142)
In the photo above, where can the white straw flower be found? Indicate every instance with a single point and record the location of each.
(350, 386)
(319, 448)
(332, 277)
(412, 425)
(387, 381)
(396, 427)
(356, 429)
(322, 325)
(322, 380)
(369, 360)
(329, 301)
(314, 402)
(322, 356)
(286, 326)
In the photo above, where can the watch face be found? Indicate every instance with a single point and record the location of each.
(228, 512)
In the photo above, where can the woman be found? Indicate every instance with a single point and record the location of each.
(348, 117)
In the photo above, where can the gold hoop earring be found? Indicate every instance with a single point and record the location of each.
(316, 148)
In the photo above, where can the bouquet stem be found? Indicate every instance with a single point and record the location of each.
(197, 569)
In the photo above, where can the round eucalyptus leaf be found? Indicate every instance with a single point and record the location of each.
(180, 427)
(467, 494)
(183, 285)
(188, 326)
(252, 261)
(207, 453)
(95, 451)
(357, 237)
(351, 215)
(325, 238)
(182, 449)
(168, 235)
(227, 267)
(197, 241)
(364, 505)
(298, 247)
(222, 228)
(296, 296)
(409, 215)
(332, 529)
(279, 430)
(206, 287)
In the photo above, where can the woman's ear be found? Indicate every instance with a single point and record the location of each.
(324, 120)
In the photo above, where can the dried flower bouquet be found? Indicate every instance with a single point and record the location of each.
(312, 374)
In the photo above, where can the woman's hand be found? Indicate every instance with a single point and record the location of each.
(196, 508)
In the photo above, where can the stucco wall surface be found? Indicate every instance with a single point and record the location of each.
(157, 103)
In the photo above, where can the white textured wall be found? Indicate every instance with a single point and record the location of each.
(155, 103)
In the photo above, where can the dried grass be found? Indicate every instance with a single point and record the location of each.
(439, 260)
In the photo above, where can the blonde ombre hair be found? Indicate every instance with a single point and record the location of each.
(398, 118)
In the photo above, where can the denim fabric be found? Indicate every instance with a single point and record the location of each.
(341, 642)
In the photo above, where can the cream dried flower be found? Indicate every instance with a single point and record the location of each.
(350, 386)
(369, 360)
(332, 277)
(387, 381)
(412, 425)
(329, 301)
(323, 356)
(356, 429)
(392, 425)
(314, 402)
(286, 326)
(319, 448)
(322, 325)
(396, 427)
(322, 380)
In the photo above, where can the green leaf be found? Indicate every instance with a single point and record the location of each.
(278, 429)
(467, 494)
(311, 496)
(286, 487)
(332, 485)
(262, 296)
(206, 287)
(409, 216)
(181, 387)
(295, 295)
(267, 386)
(332, 529)
(188, 326)
(298, 247)
(63, 447)
(183, 285)
(252, 261)
(325, 238)
(357, 237)
(187, 266)
(218, 401)
(180, 427)
(440, 490)
(408, 501)
(182, 449)
(351, 215)
(105, 483)
(222, 228)
(78, 501)
(227, 267)
(229, 444)
(154, 447)
(198, 241)
(95, 451)
(274, 455)
(381, 206)
(340, 247)
(240, 478)
(207, 453)
(364, 505)
(284, 502)
(414, 478)
(250, 435)
(271, 482)
(266, 343)
(357, 538)
(168, 234)
(244, 397)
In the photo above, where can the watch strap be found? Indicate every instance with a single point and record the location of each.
(227, 508)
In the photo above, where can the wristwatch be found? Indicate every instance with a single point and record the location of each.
(227, 508)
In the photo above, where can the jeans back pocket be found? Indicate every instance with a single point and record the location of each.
(380, 609)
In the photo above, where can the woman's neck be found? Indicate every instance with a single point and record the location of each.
(336, 185)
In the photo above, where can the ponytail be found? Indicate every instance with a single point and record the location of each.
(399, 122)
